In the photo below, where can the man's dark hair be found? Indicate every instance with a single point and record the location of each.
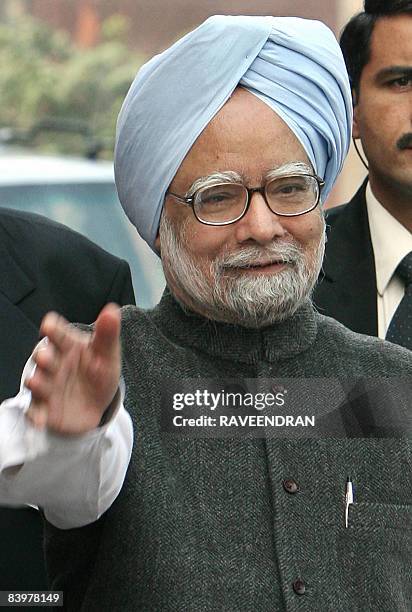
(356, 35)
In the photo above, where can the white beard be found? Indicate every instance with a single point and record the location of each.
(243, 299)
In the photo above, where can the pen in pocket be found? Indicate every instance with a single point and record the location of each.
(348, 499)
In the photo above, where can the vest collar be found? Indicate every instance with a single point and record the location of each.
(236, 343)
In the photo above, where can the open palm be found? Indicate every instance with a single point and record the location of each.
(77, 373)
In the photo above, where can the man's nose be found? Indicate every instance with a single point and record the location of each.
(259, 224)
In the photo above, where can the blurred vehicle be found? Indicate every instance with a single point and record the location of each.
(80, 193)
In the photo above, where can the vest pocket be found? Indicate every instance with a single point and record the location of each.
(380, 516)
(374, 557)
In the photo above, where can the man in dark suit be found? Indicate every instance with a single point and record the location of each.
(368, 262)
(43, 266)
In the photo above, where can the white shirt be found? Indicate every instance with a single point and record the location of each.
(391, 242)
(74, 479)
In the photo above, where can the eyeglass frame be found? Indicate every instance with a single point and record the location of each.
(189, 200)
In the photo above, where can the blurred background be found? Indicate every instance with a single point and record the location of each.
(66, 67)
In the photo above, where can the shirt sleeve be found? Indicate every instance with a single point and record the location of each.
(74, 479)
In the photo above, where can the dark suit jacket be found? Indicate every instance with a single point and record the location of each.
(347, 290)
(43, 266)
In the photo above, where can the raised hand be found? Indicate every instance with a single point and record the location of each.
(77, 373)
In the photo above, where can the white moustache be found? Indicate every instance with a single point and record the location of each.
(255, 257)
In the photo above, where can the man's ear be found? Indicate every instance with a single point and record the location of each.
(355, 125)
(157, 244)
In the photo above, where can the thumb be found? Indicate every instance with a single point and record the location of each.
(105, 340)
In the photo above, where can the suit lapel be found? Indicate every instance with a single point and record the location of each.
(18, 334)
(348, 291)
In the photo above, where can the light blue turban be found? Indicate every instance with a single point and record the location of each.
(294, 65)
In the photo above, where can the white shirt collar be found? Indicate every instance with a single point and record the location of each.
(391, 241)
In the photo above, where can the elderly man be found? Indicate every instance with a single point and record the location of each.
(226, 139)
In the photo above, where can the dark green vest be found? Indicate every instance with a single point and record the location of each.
(206, 525)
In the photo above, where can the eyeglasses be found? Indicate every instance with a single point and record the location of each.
(225, 203)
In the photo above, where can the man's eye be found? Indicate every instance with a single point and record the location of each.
(287, 189)
(216, 198)
(401, 82)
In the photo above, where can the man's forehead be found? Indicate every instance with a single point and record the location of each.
(391, 42)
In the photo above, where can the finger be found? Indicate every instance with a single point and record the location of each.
(37, 414)
(40, 385)
(47, 359)
(105, 341)
(56, 328)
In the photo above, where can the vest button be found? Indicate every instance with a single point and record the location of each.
(290, 486)
(299, 587)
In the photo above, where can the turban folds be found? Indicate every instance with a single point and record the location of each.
(294, 65)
